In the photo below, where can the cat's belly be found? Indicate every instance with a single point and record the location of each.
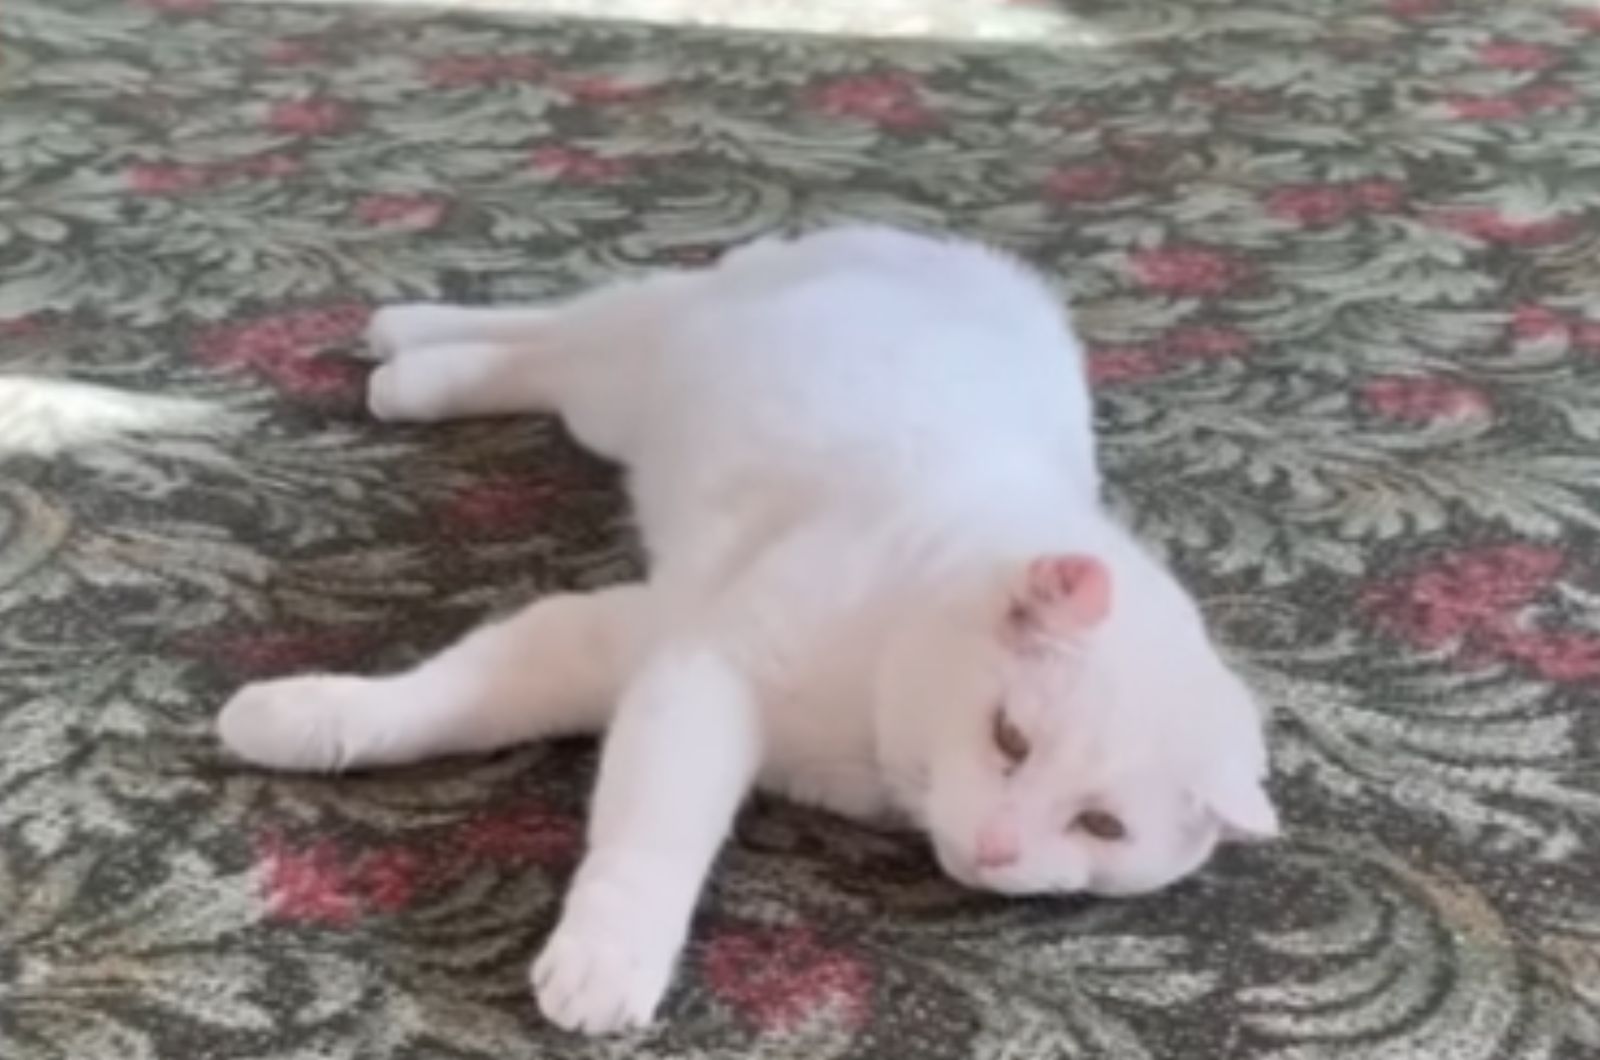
(851, 788)
(820, 743)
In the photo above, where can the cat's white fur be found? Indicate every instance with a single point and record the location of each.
(864, 468)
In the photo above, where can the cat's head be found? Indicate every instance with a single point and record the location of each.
(1081, 733)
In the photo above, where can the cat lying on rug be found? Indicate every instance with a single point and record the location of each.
(881, 581)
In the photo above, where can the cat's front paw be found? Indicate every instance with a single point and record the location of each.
(599, 975)
(291, 723)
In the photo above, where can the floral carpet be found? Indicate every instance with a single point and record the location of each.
(1339, 266)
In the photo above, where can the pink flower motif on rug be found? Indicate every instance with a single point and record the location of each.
(273, 653)
(1466, 106)
(524, 834)
(1189, 271)
(892, 100)
(1184, 344)
(1483, 603)
(180, 178)
(1108, 365)
(318, 116)
(1417, 9)
(600, 88)
(1424, 399)
(321, 883)
(22, 327)
(1532, 322)
(578, 165)
(499, 505)
(1516, 55)
(780, 978)
(1492, 226)
(292, 51)
(1324, 205)
(1462, 593)
(284, 347)
(415, 212)
(1088, 182)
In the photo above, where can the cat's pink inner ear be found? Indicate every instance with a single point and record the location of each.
(1068, 593)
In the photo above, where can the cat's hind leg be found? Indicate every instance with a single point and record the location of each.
(588, 358)
(451, 361)
(396, 330)
(554, 668)
(625, 305)
(465, 380)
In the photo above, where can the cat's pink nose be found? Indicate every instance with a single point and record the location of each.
(998, 846)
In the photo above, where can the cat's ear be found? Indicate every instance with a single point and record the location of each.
(1061, 596)
(1236, 797)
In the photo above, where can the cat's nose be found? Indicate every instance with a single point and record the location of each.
(998, 846)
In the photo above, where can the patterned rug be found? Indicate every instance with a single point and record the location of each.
(1339, 263)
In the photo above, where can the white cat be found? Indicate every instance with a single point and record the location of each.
(881, 581)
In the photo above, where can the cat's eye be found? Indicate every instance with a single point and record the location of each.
(1009, 740)
(1101, 825)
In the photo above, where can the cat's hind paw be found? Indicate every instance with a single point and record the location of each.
(395, 329)
(396, 395)
(294, 723)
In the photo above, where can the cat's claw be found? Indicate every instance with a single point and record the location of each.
(595, 978)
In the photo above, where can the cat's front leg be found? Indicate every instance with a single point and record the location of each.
(678, 760)
(554, 668)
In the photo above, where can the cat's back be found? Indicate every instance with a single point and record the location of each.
(861, 334)
(856, 369)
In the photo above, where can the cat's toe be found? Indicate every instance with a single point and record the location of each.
(386, 394)
(385, 333)
(395, 330)
(399, 392)
(593, 979)
(290, 724)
